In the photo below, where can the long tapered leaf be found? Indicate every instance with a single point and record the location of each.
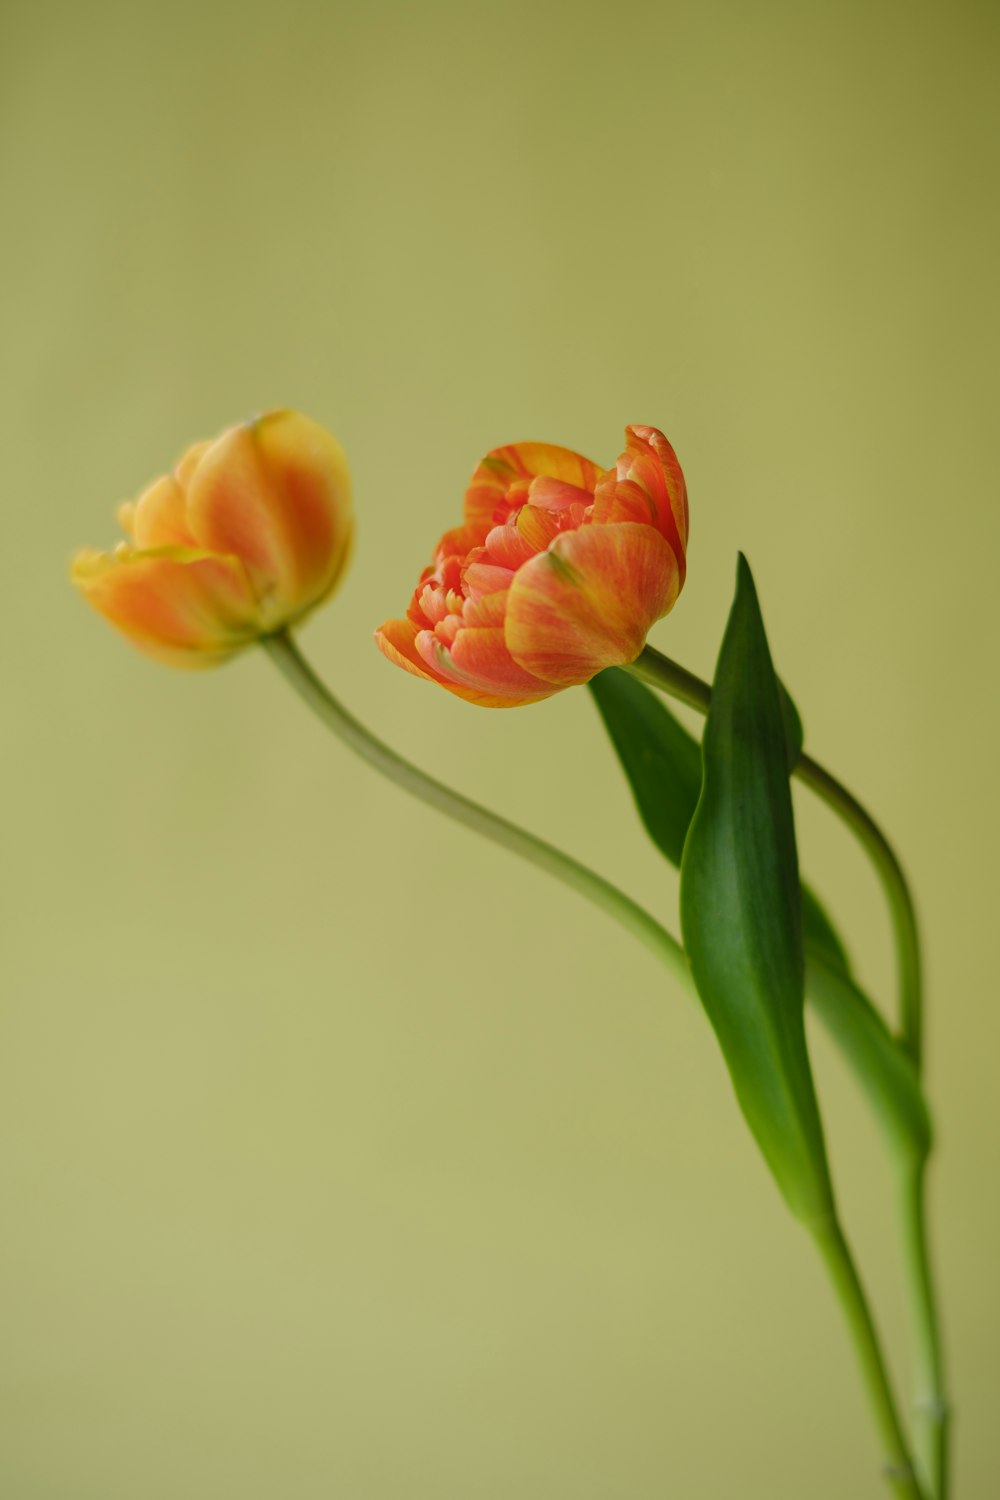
(741, 911)
(662, 763)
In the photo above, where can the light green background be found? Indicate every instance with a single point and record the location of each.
(341, 1155)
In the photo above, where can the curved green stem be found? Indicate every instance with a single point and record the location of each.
(286, 656)
(899, 1470)
(659, 671)
(894, 883)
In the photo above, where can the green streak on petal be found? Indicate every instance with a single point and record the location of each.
(563, 569)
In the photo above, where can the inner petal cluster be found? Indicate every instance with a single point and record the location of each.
(469, 589)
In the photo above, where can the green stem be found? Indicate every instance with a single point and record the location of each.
(931, 1403)
(286, 656)
(894, 883)
(659, 671)
(899, 1470)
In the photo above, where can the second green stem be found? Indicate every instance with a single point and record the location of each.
(670, 677)
(899, 1473)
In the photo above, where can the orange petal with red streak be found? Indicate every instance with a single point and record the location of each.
(396, 639)
(488, 609)
(276, 493)
(480, 659)
(647, 486)
(188, 608)
(502, 467)
(555, 494)
(539, 526)
(308, 472)
(507, 547)
(588, 602)
(458, 542)
(654, 452)
(483, 577)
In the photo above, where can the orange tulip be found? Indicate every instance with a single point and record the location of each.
(558, 572)
(249, 533)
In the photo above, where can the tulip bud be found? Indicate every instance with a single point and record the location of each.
(249, 533)
(558, 572)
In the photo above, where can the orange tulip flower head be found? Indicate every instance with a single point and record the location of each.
(559, 571)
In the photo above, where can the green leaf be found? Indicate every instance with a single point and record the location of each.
(662, 762)
(741, 911)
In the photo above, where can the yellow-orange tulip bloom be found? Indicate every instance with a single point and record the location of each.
(558, 572)
(249, 533)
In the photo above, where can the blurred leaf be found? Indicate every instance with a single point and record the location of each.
(884, 1071)
(741, 910)
(819, 934)
(661, 760)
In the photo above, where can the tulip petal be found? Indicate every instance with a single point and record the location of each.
(397, 640)
(308, 470)
(588, 602)
(539, 526)
(503, 467)
(488, 609)
(458, 542)
(188, 608)
(481, 577)
(189, 461)
(659, 454)
(164, 523)
(647, 486)
(507, 547)
(159, 518)
(555, 494)
(276, 494)
(480, 659)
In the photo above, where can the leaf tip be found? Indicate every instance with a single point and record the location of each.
(744, 576)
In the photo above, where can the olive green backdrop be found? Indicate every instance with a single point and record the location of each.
(341, 1155)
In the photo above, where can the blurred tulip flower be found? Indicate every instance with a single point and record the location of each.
(558, 572)
(248, 534)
